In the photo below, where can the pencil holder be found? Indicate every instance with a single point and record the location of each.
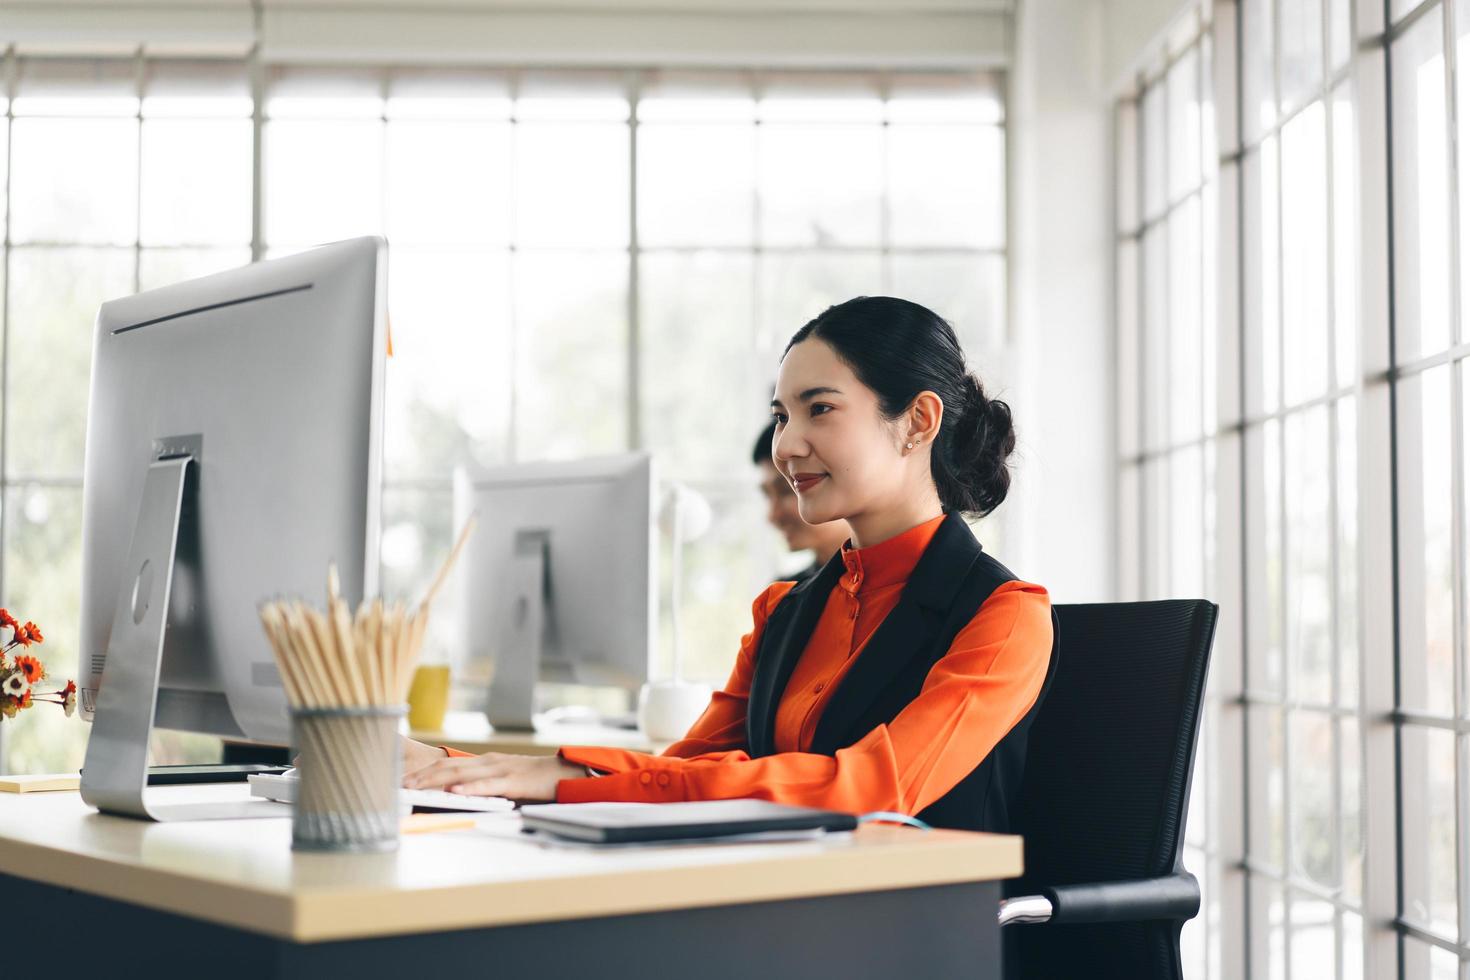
(350, 768)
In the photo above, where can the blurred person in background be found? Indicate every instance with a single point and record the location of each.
(822, 540)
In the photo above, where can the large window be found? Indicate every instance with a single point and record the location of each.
(1429, 119)
(578, 259)
(1335, 767)
(1295, 168)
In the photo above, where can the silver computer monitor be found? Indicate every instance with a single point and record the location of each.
(233, 451)
(559, 582)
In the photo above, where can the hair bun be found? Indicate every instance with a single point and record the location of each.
(976, 404)
(985, 437)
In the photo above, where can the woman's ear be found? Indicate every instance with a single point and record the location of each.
(925, 414)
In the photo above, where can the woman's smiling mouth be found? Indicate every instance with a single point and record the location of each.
(802, 482)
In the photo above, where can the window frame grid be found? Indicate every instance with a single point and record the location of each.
(1286, 881)
(1458, 354)
(1456, 357)
(1290, 880)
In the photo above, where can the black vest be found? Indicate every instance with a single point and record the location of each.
(952, 579)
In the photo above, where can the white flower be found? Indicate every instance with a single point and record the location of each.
(15, 684)
(69, 703)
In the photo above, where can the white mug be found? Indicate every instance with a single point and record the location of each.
(667, 709)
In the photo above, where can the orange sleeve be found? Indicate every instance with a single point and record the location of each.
(971, 698)
(720, 731)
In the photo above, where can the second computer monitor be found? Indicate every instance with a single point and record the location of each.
(559, 583)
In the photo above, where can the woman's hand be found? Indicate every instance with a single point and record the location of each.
(417, 755)
(523, 778)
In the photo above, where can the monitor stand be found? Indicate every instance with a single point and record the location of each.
(520, 634)
(116, 770)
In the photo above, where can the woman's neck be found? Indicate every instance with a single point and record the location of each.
(878, 526)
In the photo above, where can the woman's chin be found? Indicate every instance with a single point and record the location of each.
(814, 514)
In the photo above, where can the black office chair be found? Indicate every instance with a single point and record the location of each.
(1105, 793)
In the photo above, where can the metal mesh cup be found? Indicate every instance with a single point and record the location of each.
(350, 769)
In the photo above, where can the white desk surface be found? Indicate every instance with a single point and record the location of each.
(469, 731)
(243, 873)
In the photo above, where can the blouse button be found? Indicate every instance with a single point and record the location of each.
(645, 778)
(818, 688)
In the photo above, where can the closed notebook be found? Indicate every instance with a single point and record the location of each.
(621, 823)
(40, 784)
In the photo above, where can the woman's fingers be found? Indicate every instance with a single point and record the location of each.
(412, 773)
(526, 779)
(494, 786)
(446, 771)
(515, 777)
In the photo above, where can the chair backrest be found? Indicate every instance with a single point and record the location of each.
(1108, 767)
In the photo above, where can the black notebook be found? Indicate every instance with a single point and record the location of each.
(624, 823)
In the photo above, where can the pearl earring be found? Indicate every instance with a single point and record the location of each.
(908, 445)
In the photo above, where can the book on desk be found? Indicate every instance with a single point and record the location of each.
(630, 823)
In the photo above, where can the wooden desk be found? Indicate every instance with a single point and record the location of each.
(469, 731)
(168, 899)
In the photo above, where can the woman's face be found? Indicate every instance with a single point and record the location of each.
(832, 442)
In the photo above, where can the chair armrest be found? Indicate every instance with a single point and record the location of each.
(1173, 896)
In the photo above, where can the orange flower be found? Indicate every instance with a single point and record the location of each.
(25, 700)
(34, 632)
(31, 668)
(7, 620)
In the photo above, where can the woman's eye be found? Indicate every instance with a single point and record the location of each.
(779, 418)
(821, 409)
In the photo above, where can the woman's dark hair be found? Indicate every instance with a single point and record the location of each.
(762, 451)
(898, 349)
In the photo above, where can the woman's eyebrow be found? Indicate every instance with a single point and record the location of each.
(808, 395)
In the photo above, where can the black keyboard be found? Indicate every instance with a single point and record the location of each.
(229, 773)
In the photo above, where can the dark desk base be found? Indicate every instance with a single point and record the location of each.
(918, 933)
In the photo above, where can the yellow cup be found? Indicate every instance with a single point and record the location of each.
(428, 698)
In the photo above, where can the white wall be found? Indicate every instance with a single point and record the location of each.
(1061, 180)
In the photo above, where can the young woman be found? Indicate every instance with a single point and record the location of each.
(903, 676)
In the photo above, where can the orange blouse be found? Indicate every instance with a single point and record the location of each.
(972, 697)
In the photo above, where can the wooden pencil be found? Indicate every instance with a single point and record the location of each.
(345, 658)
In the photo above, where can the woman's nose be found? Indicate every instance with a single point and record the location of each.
(787, 445)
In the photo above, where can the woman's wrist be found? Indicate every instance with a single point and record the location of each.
(587, 771)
